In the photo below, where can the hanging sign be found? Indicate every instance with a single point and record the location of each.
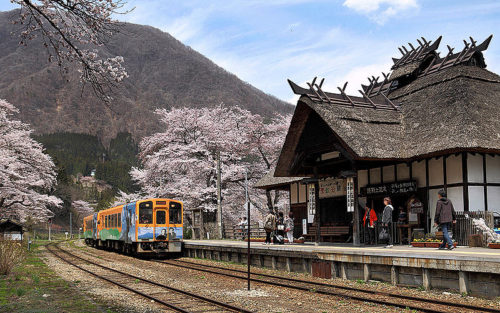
(350, 194)
(304, 226)
(332, 187)
(391, 188)
(311, 204)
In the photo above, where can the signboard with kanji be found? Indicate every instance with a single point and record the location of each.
(311, 203)
(390, 188)
(332, 187)
(350, 194)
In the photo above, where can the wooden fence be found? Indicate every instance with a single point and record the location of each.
(464, 227)
(239, 232)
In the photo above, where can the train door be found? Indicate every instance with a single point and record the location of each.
(175, 221)
(160, 224)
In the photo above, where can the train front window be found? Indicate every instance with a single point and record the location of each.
(146, 213)
(175, 213)
(160, 217)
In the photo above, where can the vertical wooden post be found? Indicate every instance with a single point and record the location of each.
(317, 215)
(355, 215)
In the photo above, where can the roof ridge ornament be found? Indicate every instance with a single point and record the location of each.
(316, 94)
(452, 59)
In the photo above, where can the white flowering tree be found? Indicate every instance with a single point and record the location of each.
(27, 174)
(71, 30)
(123, 198)
(181, 161)
(81, 209)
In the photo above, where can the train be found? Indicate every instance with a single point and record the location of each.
(142, 227)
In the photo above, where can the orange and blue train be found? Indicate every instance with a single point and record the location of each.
(140, 227)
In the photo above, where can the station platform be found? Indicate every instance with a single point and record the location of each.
(474, 271)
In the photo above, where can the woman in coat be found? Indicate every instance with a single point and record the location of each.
(369, 223)
(387, 219)
(289, 227)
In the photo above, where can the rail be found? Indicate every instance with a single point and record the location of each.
(190, 303)
(378, 297)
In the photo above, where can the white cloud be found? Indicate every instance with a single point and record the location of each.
(381, 10)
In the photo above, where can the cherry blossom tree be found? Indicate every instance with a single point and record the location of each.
(27, 174)
(81, 209)
(69, 29)
(266, 139)
(180, 162)
(123, 198)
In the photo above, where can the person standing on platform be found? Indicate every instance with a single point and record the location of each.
(289, 227)
(369, 223)
(244, 227)
(387, 219)
(269, 226)
(281, 227)
(444, 216)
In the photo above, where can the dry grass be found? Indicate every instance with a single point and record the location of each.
(11, 254)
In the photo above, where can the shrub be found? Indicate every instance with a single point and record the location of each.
(11, 254)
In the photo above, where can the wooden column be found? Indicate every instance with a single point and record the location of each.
(465, 177)
(317, 215)
(355, 215)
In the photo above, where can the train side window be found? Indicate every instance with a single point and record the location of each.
(160, 217)
(119, 220)
(114, 220)
(146, 212)
(175, 213)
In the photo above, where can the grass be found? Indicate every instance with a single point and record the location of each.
(34, 287)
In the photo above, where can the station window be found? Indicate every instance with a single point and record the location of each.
(175, 213)
(146, 212)
(160, 217)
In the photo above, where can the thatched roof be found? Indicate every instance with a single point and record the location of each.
(269, 181)
(451, 110)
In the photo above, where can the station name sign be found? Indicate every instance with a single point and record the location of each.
(390, 188)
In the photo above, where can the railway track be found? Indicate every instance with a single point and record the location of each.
(378, 297)
(175, 299)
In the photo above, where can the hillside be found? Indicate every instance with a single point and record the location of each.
(163, 73)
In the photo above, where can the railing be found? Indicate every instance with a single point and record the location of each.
(464, 227)
(240, 232)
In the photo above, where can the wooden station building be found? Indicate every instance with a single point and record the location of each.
(432, 123)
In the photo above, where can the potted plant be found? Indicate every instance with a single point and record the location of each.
(432, 243)
(418, 242)
(494, 244)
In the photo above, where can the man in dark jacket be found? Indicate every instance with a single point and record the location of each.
(445, 215)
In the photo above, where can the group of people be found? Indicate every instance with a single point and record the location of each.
(444, 218)
(370, 218)
(277, 227)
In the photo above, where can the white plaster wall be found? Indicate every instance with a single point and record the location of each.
(493, 169)
(475, 168)
(494, 199)
(362, 179)
(302, 193)
(433, 197)
(388, 172)
(418, 172)
(436, 172)
(454, 169)
(456, 195)
(375, 176)
(293, 194)
(403, 172)
(476, 198)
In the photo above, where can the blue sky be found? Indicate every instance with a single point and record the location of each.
(264, 42)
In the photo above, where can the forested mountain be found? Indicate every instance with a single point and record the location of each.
(79, 154)
(163, 73)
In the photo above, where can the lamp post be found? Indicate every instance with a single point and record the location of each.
(248, 229)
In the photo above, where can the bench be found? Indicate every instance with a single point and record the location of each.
(328, 233)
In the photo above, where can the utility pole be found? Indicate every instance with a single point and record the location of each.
(219, 206)
(248, 229)
(70, 225)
